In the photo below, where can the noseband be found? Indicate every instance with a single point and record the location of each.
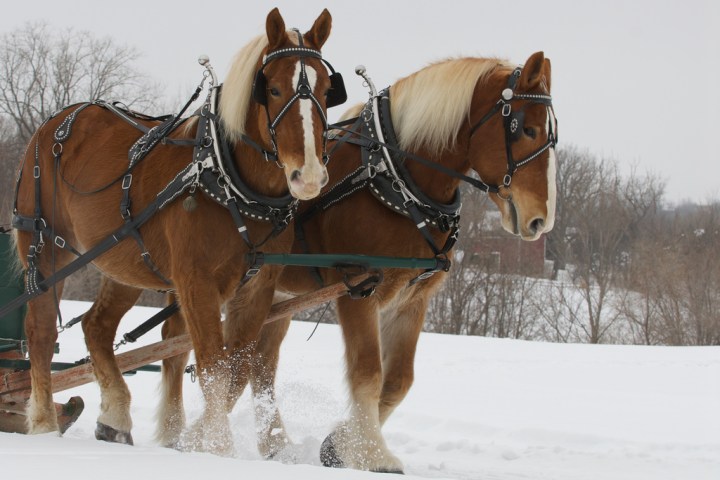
(512, 122)
(303, 90)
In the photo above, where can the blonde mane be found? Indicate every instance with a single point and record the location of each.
(429, 106)
(237, 88)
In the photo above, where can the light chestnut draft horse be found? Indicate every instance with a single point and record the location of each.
(199, 251)
(440, 113)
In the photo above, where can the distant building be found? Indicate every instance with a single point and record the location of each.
(508, 253)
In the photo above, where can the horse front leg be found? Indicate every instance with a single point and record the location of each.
(171, 411)
(358, 442)
(254, 353)
(100, 325)
(399, 333)
(200, 306)
(272, 435)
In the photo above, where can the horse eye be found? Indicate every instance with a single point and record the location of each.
(274, 92)
(530, 132)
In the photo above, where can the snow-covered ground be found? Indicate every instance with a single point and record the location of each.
(480, 409)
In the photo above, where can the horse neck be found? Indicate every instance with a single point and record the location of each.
(262, 176)
(434, 184)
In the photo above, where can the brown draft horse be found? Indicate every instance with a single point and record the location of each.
(438, 113)
(199, 251)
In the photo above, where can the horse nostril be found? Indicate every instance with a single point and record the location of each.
(295, 176)
(537, 225)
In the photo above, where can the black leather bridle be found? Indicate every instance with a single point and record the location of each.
(513, 125)
(336, 95)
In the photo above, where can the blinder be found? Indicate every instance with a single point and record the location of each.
(517, 122)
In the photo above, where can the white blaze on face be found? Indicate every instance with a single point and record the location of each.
(551, 187)
(312, 162)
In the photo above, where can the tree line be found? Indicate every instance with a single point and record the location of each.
(623, 266)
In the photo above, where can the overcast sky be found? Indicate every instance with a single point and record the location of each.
(635, 81)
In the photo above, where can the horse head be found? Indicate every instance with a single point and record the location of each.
(512, 146)
(293, 89)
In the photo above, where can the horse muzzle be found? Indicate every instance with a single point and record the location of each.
(306, 182)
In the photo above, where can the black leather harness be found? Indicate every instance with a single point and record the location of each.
(212, 169)
(389, 181)
(384, 173)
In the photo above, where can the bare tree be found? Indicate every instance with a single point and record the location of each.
(10, 151)
(576, 176)
(42, 70)
(478, 298)
(598, 216)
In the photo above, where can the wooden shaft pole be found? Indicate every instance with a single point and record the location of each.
(15, 387)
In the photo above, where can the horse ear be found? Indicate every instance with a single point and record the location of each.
(532, 72)
(275, 29)
(548, 74)
(320, 30)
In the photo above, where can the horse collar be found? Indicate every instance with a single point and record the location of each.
(395, 187)
(217, 176)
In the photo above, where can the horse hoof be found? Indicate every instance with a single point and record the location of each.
(383, 470)
(68, 412)
(108, 434)
(328, 454)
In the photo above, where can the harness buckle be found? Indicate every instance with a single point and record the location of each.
(60, 242)
(426, 274)
(127, 181)
(372, 171)
(36, 171)
(506, 109)
(252, 272)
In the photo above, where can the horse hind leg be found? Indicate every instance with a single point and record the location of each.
(100, 325)
(41, 332)
(171, 411)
